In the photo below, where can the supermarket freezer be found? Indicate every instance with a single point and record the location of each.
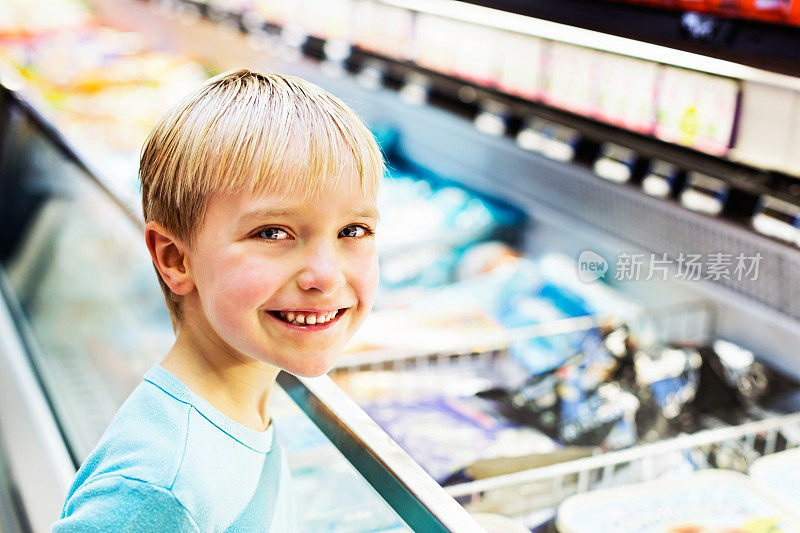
(572, 211)
(82, 319)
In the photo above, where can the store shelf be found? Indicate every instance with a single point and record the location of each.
(756, 160)
(446, 92)
(748, 183)
(763, 46)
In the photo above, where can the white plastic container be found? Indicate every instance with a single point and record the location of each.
(494, 523)
(710, 500)
(778, 475)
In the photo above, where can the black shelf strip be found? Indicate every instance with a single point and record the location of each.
(747, 181)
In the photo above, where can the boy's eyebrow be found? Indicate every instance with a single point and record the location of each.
(248, 218)
(244, 221)
(364, 212)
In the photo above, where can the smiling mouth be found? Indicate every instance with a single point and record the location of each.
(308, 319)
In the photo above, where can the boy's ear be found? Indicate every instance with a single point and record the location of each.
(169, 258)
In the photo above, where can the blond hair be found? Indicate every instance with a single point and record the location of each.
(248, 131)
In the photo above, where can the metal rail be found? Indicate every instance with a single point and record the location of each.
(38, 460)
(405, 486)
(643, 452)
(693, 321)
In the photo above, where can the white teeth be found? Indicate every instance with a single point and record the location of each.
(307, 319)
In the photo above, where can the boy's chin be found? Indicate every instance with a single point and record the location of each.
(313, 370)
(309, 374)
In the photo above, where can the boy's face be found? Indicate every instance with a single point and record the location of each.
(284, 279)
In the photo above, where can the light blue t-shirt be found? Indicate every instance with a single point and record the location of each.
(170, 461)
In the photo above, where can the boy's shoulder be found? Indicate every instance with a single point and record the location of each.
(176, 444)
(146, 440)
(189, 457)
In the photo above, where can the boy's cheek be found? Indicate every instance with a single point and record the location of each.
(371, 280)
(240, 291)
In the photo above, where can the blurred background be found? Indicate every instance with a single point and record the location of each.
(589, 308)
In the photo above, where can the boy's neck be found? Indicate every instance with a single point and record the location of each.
(236, 385)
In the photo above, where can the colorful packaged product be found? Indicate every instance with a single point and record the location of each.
(570, 78)
(707, 501)
(697, 110)
(778, 474)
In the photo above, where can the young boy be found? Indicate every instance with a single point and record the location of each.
(259, 196)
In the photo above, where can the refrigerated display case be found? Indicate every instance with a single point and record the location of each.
(86, 366)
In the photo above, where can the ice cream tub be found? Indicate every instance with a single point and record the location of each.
(778, 475)
(704, 502)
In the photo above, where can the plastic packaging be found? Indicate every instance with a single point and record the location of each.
(778, 474)
(494, 523)
(696, 109)
(711, 500)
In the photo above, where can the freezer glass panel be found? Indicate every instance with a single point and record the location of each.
(80, 274)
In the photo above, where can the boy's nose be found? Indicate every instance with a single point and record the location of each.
(322, 271)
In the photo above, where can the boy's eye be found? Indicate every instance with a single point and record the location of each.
(273, 234)
(354, 231)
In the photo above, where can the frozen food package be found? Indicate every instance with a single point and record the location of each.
(605, 417)
(383, 29)
(434, 47)
(747, 376)
(626, 91)
(778, 474)
(447, 434)
(598, 297)
(479, 64)
(697, 110)
(495, 523)
(577, 403)
(557, 405)
(672, 375)
(525, 302)
(415, 213)
(569, 81)
(706, 501)
(522, 66)
(731, 380)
